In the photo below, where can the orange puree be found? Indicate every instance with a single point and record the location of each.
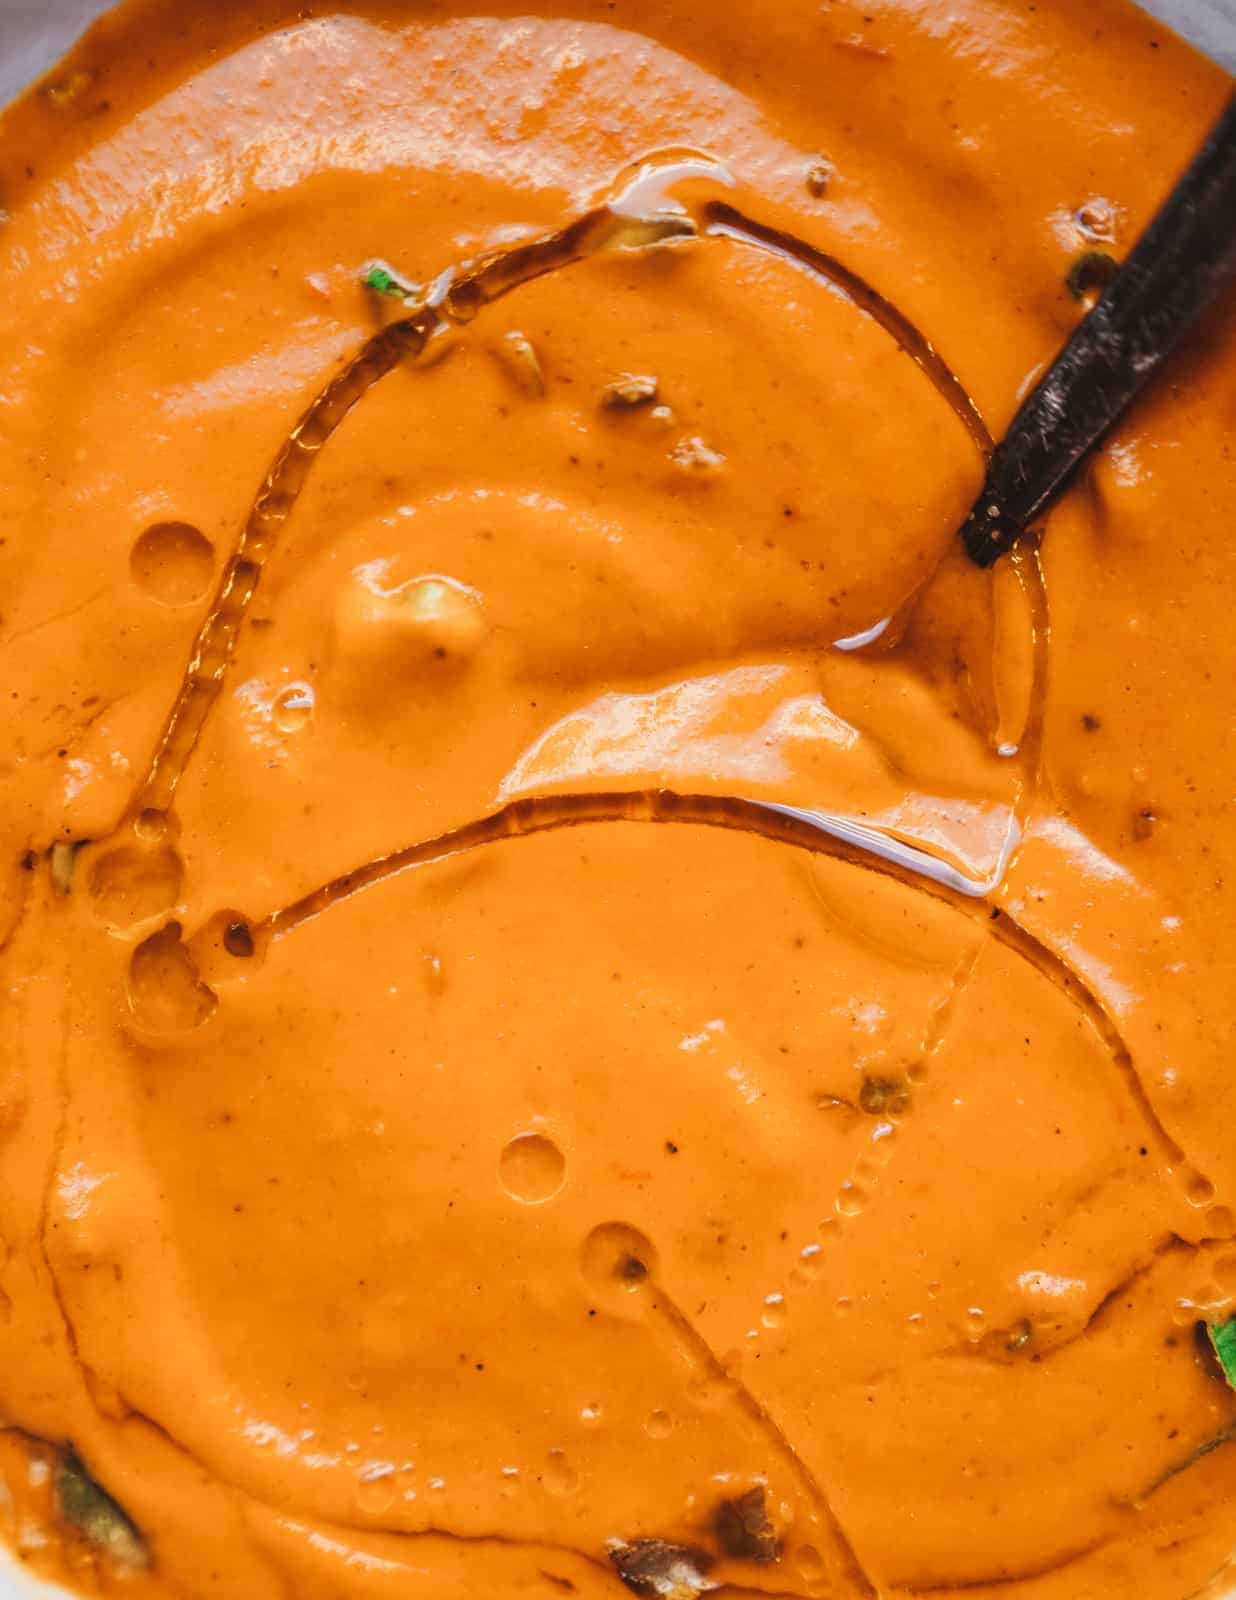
(587, 1008)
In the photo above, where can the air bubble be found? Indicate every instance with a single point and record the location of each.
(293, 707)
(1199, 1191)
(560, 1477)
(131, 885)
(377, 1489)
(172, 563)
(773, 1314)
(165, 993)
(618, 1257)
(659, 1425)
(1220, 1223)
(809, 1562)
(850, 1199)
(531, 1168)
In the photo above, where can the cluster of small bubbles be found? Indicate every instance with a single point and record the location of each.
(659, 1425)
(560, 1477)
(773, 1314)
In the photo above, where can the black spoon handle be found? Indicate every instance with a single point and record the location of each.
(1173, 273)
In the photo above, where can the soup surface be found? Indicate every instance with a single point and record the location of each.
(587, 1007)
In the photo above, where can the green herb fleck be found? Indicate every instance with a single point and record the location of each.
(1222, 1336)
(96, 1515)
(383, 279)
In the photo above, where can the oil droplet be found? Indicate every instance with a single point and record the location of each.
(172, 563)
(773, 1314)
(376, 1488)
(293, 707)
(659, 1425)
(843, 1305)
(532, 1169)
(560, 1477)
(509, 1484)
(619, 1257)
(976, 1322)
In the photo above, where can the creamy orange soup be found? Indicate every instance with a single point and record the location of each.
(587, 1007)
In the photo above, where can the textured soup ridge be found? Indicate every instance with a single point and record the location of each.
(587, 1009)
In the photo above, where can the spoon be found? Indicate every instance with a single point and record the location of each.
(1175, 270)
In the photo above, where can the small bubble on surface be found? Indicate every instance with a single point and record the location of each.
(531, 1168)
(773, 1314)
(659, 1425)
(172, 563)
(377, 1488)
(619, 1257)
(560, 1477)
(293, 707)
(130, 885)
